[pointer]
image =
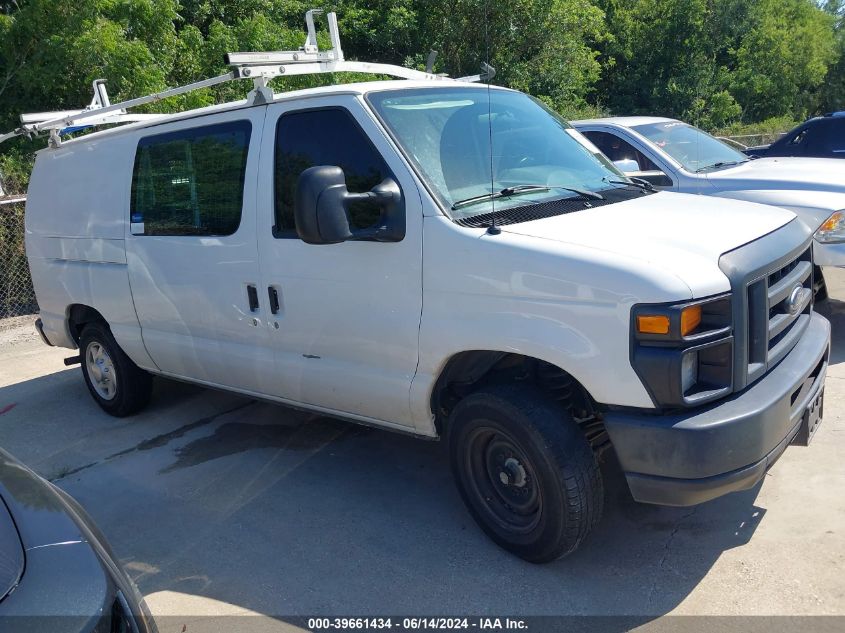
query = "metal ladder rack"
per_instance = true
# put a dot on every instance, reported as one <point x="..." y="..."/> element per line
<point x="259" y="67"/>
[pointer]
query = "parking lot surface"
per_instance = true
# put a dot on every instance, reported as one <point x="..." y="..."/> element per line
<point x="221" y="505"/>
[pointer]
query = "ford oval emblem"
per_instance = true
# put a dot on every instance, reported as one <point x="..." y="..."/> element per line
<point x="797" y="299"/>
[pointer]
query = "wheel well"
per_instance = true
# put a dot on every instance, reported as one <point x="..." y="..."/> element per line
<point x="78" y="316"/>
<point x="467" y="371"/>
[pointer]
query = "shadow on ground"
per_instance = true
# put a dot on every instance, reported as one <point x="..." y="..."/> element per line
<point x="287" y="513"/>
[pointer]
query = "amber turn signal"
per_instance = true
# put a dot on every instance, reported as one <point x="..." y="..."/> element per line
<point x="690" y="319"/>
<point x="657" y="324"/>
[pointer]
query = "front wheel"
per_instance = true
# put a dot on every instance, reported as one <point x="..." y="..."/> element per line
<point x="118" y="385"/>
<point x="525" y="471"/>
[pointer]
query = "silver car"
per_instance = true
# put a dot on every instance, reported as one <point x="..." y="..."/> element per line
<point x="675" y="156"/>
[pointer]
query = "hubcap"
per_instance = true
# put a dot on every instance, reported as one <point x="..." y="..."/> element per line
<point x="100" y="370"/>
<point x="503" y="479"/>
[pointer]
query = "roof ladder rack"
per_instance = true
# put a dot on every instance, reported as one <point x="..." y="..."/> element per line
<point x="259" y="67"/>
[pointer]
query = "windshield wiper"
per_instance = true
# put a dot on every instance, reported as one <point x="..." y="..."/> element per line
<point x="727" y="163"/>
<point x="634" y="182"/>
<point x="508" y="192"/>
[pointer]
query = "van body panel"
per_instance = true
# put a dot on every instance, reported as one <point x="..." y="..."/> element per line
<point x="86" y="176"/>
<point x="75" y="240"/>
<point x="346" y="335"/>
<point x="565" y="304"/>
<point x="79" y="249"/>
<point x="190" y="291"/>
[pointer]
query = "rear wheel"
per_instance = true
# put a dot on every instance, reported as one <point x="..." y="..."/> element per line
<point x="525" y="471"/>
<point x="118" y="385"/>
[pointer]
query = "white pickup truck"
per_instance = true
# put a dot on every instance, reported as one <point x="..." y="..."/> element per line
<point x="675" y="156"/>
<point x="365" y="251"/>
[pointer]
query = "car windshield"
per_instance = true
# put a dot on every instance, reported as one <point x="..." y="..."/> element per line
<point x="448" y="134"/>
<point x="696" y="150"/>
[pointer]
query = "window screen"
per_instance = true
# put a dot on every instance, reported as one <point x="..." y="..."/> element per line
<point x="325" y="137"/>
<point x="191" y="182"/>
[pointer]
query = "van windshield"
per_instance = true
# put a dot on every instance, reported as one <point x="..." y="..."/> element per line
<point x="448" y="133"/>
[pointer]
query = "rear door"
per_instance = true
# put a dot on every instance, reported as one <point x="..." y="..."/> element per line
<point x="192" y="255"/>
<point x="827" y="139"/>
<point x="346" y="328"/>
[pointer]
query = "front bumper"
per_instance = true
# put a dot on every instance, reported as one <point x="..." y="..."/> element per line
<point x="829" y="254"/>
<point x="694" y="456"/>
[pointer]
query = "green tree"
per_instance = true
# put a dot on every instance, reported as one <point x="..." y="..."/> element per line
<point x="783" y="59"/>
<point x="673" y="57"/>
<point x="832" y="96"/>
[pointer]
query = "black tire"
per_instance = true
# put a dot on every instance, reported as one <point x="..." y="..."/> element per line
<point x="819" y="285"/>
<point x="525" y="471"/>
<point x="130" y="385"/>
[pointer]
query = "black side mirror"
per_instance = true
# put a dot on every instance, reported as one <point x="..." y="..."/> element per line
<point x="321" y="208"/>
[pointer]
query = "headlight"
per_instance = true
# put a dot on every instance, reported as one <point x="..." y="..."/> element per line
<point x="683" y="353"/>
<point x="833" y="229"/>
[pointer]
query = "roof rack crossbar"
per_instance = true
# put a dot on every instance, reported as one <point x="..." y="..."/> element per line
<point x="259" y="67"/>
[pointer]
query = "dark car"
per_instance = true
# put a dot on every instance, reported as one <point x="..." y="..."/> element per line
<point x="820" y="137"/>
<point x="57" y="572"/>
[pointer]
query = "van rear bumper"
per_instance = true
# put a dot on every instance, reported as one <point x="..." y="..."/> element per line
<point x="694" y="456"/>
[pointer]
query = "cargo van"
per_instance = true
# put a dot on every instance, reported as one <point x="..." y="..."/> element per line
<point x="446" y="259"/>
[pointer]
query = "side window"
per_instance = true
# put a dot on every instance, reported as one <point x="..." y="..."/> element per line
<point x="191" y="182"/>
<point x="799" y="138"/>
<point x="328" y="136"/>
<point x="616" y="148"/>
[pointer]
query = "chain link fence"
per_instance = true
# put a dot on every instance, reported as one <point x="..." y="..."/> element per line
<point x="744" y="141"/>
<point x="17" y="298"/>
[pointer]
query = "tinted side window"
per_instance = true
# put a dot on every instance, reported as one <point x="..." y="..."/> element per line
<point x="617" y="149"/>
<point x="324" y="137"/>
<point x="799" y="138"/>
<point x="191" y="182"/>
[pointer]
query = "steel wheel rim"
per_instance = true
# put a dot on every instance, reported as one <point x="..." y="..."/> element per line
<point x="503" y="480"/>
<point x="100" y="369"/>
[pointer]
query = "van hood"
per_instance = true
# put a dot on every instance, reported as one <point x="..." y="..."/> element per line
<point x="684" y="234"/>
<point x="817" y="174"/>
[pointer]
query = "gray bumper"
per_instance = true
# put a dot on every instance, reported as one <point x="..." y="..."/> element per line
<point x="697" y="455"/>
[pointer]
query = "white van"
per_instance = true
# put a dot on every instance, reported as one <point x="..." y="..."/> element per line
<point x="339" y="249"/>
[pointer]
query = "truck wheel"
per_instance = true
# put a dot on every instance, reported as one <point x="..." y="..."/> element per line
<point x="118" y="385"/>
<point x="819" y="285"/>
<point x="525" y="471"/>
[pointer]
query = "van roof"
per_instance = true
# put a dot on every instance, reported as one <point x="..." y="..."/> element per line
<point x="358" y="89"/>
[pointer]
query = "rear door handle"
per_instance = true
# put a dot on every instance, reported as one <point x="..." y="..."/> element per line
<point x="252" y="295"/>
<point x="273" y="294"/>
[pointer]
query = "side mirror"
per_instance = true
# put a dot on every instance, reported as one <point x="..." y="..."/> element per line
<point x="321" y="208"/>
<point x="627" y="165"/>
